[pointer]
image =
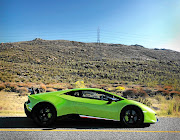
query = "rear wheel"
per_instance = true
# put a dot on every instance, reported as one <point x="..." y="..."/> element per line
<point x="132" y="116"/>
<point x="44" y="114"/>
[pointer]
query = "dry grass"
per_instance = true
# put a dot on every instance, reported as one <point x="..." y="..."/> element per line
<point x="2" y="86"/>
<point x="58" y="85"/>
<point x="43" y="86"/>
<point x="11" y="104"/>
<point x="166" y="107"/>
<point x="50" y="89"/>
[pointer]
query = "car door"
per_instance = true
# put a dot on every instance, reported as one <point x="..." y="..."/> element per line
<point x="96" y="104"/>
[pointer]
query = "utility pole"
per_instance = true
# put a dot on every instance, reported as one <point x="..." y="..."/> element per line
<point x="98" y="36"/>
<point x="98" y="45"/>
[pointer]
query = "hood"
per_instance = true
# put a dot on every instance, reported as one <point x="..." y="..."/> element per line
<point x="142" y="106"/>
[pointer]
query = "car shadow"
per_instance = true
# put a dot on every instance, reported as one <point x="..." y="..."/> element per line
<point x="24" y="122"/>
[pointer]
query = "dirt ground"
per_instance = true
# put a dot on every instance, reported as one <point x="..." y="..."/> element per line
<point x="11" y="104"/>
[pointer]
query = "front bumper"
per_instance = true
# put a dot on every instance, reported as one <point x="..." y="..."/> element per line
<point x="27" y="112"/>
<point x="150" y="117"/>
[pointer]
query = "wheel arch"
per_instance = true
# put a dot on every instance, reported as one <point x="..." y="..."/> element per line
<point x="41" y="103"/>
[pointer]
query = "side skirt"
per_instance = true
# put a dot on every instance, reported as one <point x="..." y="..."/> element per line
<point x="91" y="117"/>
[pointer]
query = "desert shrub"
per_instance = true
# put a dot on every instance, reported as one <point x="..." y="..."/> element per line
<point x="23" y="94"/>
<point x="50" y="90"/>
<point x="111" y="89"/>
<point x="144" y="95"/>
<point x="93" y="86"/>
<point x="144" y="101"/>
<point x="10" y="87"/>
<point x="130" y="93"/>
<point x="120" y="88"/>
<point x="169" y="88"/>
<point x="173" y="106"/>
<point x="174" y="93"/>
<point x="23" y="84"/>
<point x="22" y="90"/>
<point x="141" y="93"/>
<point x="162" y="92"/>
<point x="43" y="87"/>
<point x="160" y="98"/>
<point x="168" y="107"/>
<point x="70" y="87"/>
<point x="79" y="84"/>
<point x="49" y="86"/>
<point x="2" y="86"/>
<point x="58" y="86"/>
<point x="100" y="86"/>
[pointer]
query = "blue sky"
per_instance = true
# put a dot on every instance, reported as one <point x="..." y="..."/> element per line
<point x="151" y="23"/>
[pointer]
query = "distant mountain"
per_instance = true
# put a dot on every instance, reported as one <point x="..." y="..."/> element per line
<point x="66" y="61"/>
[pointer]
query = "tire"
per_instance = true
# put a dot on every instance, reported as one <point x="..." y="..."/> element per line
<point x="44" y="114"/>
<point x="132" y="116"/>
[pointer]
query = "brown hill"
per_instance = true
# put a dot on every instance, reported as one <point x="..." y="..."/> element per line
<point x="66" y="61"/>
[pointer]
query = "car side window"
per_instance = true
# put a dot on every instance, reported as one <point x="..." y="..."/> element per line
<point x="97" y="95"/>
<point x="74" y="93"/>
<point x="90" y="94"/>
<point x="105" y="97"/>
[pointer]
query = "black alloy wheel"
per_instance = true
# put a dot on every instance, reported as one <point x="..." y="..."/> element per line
<point x="132" y="117"/>
<point x="44" y="115"/>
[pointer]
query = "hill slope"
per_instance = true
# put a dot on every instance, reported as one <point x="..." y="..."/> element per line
<point x="67" y="61"/>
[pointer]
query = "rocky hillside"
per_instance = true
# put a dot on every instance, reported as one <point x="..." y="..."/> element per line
<point x="67" y="61"/>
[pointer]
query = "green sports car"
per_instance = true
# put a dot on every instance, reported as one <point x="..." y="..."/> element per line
<point x="94" y="103"/>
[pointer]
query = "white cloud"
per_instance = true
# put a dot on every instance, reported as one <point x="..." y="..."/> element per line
<point x="173" y="44"/>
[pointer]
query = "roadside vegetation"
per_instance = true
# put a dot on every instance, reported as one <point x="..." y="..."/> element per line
<point x="163" y="100"/>
<point x="146" y="75"/>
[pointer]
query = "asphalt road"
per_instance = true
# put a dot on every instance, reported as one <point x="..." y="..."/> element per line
<point x="86" y="129"/>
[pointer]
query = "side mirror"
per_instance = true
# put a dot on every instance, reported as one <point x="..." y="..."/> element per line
<point x="109" y="101"/>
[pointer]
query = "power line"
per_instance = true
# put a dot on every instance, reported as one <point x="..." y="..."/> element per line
<point x="90" y="36"/>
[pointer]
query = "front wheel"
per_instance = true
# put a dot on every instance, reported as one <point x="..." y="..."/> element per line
<point x="44" y="114"/>
<point x="132" y="116"/>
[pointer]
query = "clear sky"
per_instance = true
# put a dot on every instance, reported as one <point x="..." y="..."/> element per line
<point x="151" y="23"/>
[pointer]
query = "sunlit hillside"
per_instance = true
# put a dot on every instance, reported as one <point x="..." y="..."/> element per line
<point x="55" y="61"/>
